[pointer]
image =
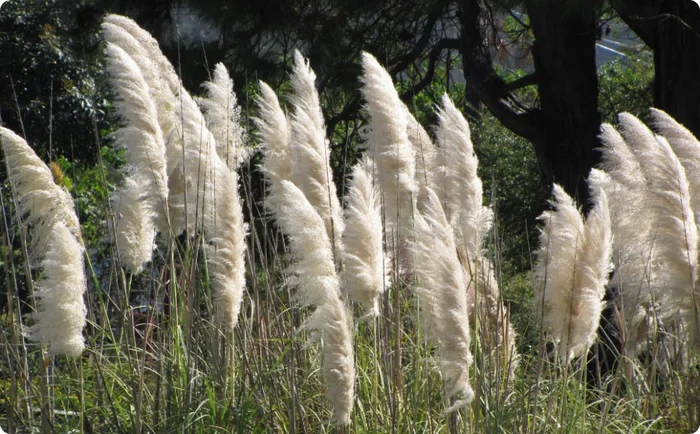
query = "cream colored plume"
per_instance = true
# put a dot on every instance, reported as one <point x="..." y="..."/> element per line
<point x="55" y="242"/>
<point x="574" y="261"/>
<point x="212" y="204"/>
<point x="134" y="233"/>
<point x="61" y="317"/>
<point x="146" y="163"/>
<point x="674" y="234"/>
<point x="157" y="71"/>
<point x="366" y="270"/>
<point x="275" y="135"/>
<point x="225" y="247"/>
<point x="463" y="190"/>
<point x="223" y="116"/>
<point x="685" y="146"/>
<point x="391" y="150"/>
<point x="311" y="151"/>
<point x="441" y="289"/>
<point x="318" y="286"/>
<point x="152" y="49"/>
<point x="203" y="191"/>
<point x="40" y="202"/>
<point x="426" y="156"/>
<point x="632" y="224"/>
<point x="593" y="270"/>
<point x="561" y="246"/>
<point x="189" y="143"/>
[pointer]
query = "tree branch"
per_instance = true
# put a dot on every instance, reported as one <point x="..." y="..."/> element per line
<point x="481" y="78"/>
<point x="527" y="80"/>
<point x="433" y="59"/>
<point x="401" y="62"/>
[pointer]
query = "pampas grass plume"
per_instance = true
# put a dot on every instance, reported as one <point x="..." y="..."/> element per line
<point x="275" y="135"/>
<point x="55" y="242"/>
<point x="441" y="289"/>
<point x="147" y="186"/>
<point x="365" y="274"/>
<point x="426" y="155"/>
<point x="390" y="148"/>
<point x="685" y="146"/>
<point x="223" y="116"/>
<point x="561" y="246"/>
<point x="318" y="285"/>
<point x="463" y="189"/>
<point x="314" y="175"/>
<point x="39" y="200"/>
<point x="226" y="247"/>
<point x="574" y="260"/>
<point x="61" y="317"/>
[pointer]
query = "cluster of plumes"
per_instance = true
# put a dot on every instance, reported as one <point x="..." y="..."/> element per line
<point x="573" y="263"/>
<point x="181" y="165"/>
<point x="55" y="243"/>
<point x="654" y="189"/>
<point x="433" y="193"/>
<point x="302" y="198"/>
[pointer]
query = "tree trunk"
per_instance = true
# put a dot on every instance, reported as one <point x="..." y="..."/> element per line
<point x="567" y="80"/>
<point x="671" y="28"/>
<point x="564" y="126"/>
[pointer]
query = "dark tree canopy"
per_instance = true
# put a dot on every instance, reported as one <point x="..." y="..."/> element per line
<point x="555" y="106"/>
<point x="48" y="56"/>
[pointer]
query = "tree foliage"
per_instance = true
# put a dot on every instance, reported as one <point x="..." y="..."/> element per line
<point x="47" y="65"/>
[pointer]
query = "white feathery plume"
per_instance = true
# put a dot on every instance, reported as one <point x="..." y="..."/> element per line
<point x="426" y="155"/>
<point x="441" y="289"/>
<point x="635" y="264"/>
<point x="561" y="246"/>
<point x="365" y="274"/>
<point x="275" y="135"/>
<point x="188" y="141"/>
<point x="145" y="154"/>
<point x="334" y="323"/>
<point x="463" y="199"/>
<point x="592" y="272"/>
<point x="123" y="32"/>
<point x="61" y="316"/>
<point x="198" y="148"/>
<point x="687" y="149"/>
<point x="390" y="149"/>
<point x="318" y="285"/>
<point x="314" y="174"/>
<point x="39" y="200"/>
<point x="639" y="138"/>
<point x="225" y="247"/>
<point x="135" y="233"/>
<point x="149" y="43"/>
<point x="675" y="234"/>
<point x="55" y="241"/>
<point x="618" y="160"/>
<point x="212" y="204"/>
<point x="223" y="116"/>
